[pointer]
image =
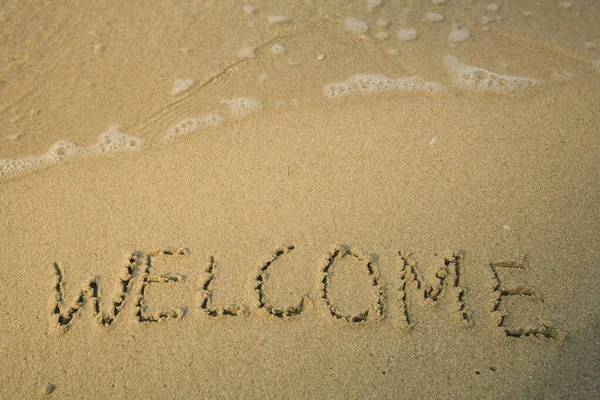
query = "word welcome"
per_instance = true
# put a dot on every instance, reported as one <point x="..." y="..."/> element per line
<point x="447" y="283"/>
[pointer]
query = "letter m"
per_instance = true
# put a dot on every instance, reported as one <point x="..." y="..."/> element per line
<point x="446" y="283"/>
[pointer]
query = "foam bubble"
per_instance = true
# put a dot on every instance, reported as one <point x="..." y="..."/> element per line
<point x="181" y="85"/>
<point x="590" y="45"/>
<point x="15" y="136"/>
<point x="246" y="52"/>
<point x="381" y="35"/>
<point x="382" y="22"/>
<point x="493" y="7"/>
<point x="111" y="141"/>
<point x="371" y="83"/>
<point x="373" y="4"/>
<point x="115" y="141"/>
<point x="190" y="125"/>
<point x="243" y="106"/>
<point x="478" y="79"/>
<point x="562" y="76"/>
<point x="277" y="49"/>
<point x="434" y="17"/>
<point x="355" y="25"/>
<point x="407" y="34"/>
<point x="459" y="35"/>
<point x="277" y="19"/>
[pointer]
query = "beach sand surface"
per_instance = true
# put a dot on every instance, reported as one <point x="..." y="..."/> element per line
<point x="327" y="232"/>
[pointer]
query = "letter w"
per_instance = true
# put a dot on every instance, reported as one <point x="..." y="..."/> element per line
<point x="62" y="314"/>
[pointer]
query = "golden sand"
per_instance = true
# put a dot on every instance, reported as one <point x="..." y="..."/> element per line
<point x="337" y="213"/>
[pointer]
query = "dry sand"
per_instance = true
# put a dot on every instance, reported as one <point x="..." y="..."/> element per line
<point x="437" y="243"/>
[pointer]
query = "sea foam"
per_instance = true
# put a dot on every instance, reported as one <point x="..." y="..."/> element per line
<point x="181" y="85"/>
<point x="459" y="35"/>
<point x="355" y="25"/>
<point x="277" y="49"/>
<point x="481" y="80"/>
<point x="407" y="34"/>
<point x="371" y="83"/>
<point x="434" y="17"/>
<point x="111" y="141"/>
<point x="373" y="4"/>
<point x="241" y="107"/>
<point x="277" y="19"/>
<point x="190" y="125"/>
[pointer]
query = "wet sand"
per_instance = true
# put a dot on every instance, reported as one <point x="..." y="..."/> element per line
<point x="416" y="229"/>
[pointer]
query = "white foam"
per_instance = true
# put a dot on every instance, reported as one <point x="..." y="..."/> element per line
<point x="246" y="52"/>
<point x="481" y="80"/>
<point x="459" y="35"/>
<point x="181" y="85"/>
<point x="15" y="136"/>
<point x="434" y="17"/>
<point x="393" y="52"/>
<point x="277" y="49"/>
<point x="438" y="1"/>
<point x="590" y="45"/>
<point x="371" y="83"/>
<point x="189" y="125"/>
<point x="373" y="4"/>
<point x="249" y="9"/>
<point x="111" y="141"/>
<point x="382" y="22"/>
<point x="115" y="141"/>
<point x="562" y="76"/>
<point x="493" y="7"/>
<point x="277" y="19"/>
<point x="382" y="35"/>
<point x="407" y="34"/>
<point x="567" y="4"/>
<point x="241" y="107"/>
<point x="355" y="25"/>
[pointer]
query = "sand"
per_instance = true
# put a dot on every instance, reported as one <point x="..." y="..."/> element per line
<point x="396" y="239"/>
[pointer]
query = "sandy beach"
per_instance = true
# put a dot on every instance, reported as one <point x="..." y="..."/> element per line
<point x="344" y="199"/>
